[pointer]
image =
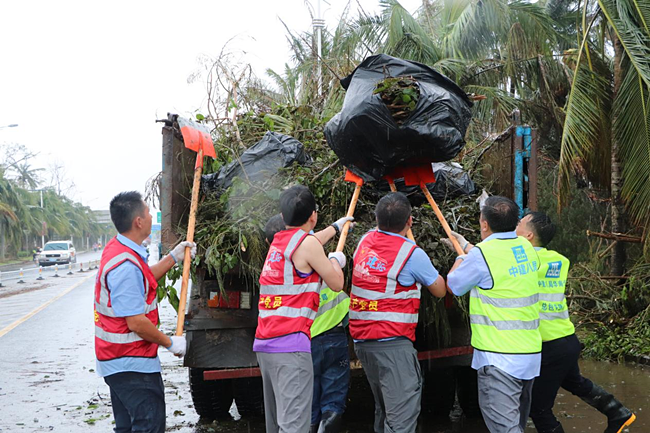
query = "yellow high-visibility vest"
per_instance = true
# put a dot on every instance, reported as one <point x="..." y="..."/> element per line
<point x="554" y="314"/>
<point x="332" y="309"/>
<point x="505" y="318"/>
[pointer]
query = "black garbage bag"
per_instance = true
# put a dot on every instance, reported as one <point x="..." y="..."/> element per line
<point x="451" y="182"/>
<point x="366" y="137"/>
<point x="259" y="162"/>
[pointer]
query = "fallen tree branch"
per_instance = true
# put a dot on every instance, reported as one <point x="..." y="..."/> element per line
<point x="615" y="237"/>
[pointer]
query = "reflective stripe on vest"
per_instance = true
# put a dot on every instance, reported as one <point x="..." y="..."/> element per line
<point x="379" y="306"/>
<point x="279" y="289"/>
<point x="288" y="301"/>
<point x="505" y="318"/>
<point x="554" y="313"/>
<point x="333" y="308"/>
<point x="115" y="338"/>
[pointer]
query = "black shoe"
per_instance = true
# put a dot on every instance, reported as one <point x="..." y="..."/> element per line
<point x="330" y="422"/>
<point x="618" y="416"/>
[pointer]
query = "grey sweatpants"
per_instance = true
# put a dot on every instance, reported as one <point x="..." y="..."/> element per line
<point x="393" y="371"/>
<point x="288" y="380"/>
<point x="504" y="400"/>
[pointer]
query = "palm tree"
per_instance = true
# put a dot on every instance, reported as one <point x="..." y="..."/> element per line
<point x="26" y="176"/>
<point x="608" y="112"/>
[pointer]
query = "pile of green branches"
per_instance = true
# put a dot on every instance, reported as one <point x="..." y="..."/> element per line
<point x="400" y="94"/>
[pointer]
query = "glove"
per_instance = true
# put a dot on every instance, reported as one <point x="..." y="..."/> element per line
<point x="339" y="256"/>
<point x="461" y="240"/>
<point x="339" y="223"/>
<point x="178" y="346"/>
<point x="178" y="253"/>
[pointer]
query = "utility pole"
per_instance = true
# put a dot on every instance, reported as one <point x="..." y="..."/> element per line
<point x="42" y="226"/>
<point x="319" y="23"/>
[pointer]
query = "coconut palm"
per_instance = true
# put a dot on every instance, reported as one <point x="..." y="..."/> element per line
<point x="607" y="126"/>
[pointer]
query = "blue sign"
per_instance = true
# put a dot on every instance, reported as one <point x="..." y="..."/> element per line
<point x="520" y="254"/>
<point x="554" y="270"/>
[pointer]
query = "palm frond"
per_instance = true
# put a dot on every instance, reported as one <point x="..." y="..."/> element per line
<point x="632" y="130"/>
<point x="623" y="17"/>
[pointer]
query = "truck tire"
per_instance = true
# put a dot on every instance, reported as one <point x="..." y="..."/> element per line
<point x="249" y="397"/>
<point x="212" y="398"/>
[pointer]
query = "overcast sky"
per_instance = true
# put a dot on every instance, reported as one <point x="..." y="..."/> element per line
<point x="85" y="80"/>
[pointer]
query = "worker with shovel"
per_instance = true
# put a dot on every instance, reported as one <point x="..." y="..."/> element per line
<point x="389" y="270"/>
<point x="294" y="270"/>
<point x="126" y="319"/>
<point x="501" y="275"/>
<point x="329" y="342"/>
<point x="560" y="346"/>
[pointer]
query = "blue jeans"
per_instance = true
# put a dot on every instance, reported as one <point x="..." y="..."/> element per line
<point x="329" y="353"/>
<point x="138" y="401"/>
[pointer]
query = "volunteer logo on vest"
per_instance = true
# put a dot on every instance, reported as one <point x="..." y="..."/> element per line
<point x="274" y="256"/>
<point x="369" y="261"/>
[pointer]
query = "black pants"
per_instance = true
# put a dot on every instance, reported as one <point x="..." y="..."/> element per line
<point x="559" y="369"/>
<point x="138" y="402"/>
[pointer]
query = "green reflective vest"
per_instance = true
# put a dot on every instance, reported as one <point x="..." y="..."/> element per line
<point x="554" y="314"/>
<point x="332" y="309"/>
<point x="505" y="318"/>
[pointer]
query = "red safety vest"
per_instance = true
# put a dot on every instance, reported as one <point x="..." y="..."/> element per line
<point x="113" y="339"/>
<point x="288" y="302"/>
<point x="380" y="307"/>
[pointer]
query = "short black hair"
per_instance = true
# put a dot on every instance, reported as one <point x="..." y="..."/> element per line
<point x="273" y="225"/>
<point x="542" y="226"/>
<point x="392" y="212"/>
<point x="501" y="214"/>
<point x="124" y="208"/>
<point x="297" y="204"/>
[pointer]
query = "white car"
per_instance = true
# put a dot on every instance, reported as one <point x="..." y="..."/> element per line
<point x="57" y="252"/>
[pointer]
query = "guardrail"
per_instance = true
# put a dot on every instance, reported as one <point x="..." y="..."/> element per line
<point x="36" y="273"/>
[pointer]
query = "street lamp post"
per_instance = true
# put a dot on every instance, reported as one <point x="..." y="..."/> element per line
<point x="42" y="227"/>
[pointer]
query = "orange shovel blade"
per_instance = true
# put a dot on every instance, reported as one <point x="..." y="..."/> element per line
<point x="196" y="136"/>
<point x="351" y="177"/>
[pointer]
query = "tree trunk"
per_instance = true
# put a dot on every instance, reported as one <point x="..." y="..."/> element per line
<point x="618" y="208"/>
<point x="2" y="240"/>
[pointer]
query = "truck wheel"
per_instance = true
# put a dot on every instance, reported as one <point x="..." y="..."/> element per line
<point x="439" y="392"/>
<point x="249" y="397"/>
<point x="212" y="398"/>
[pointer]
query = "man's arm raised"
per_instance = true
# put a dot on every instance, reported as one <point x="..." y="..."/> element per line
<point x="311" y="253"/>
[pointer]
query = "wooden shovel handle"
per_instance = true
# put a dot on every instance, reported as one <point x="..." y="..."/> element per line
<point x="442" y="219"/>
<point x="187" y="261"/>
<point x="409" y="234"/>
<point x="346" y="226"/>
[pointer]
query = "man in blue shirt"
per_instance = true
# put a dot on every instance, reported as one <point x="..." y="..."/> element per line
<point x="389" y="270"/>
<point x="501" y="273"/>
<point x="126" y="319"/>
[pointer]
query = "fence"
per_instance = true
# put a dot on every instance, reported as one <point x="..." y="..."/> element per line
<point x="38" y="273"/>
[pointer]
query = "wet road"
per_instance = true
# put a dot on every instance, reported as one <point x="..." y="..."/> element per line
<point x="48" y="382"/>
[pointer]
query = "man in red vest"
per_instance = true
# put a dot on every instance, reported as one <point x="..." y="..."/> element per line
<point x="126" y="319"/>
<point x="389" y="270"/>
<point x="295" y="267"/>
